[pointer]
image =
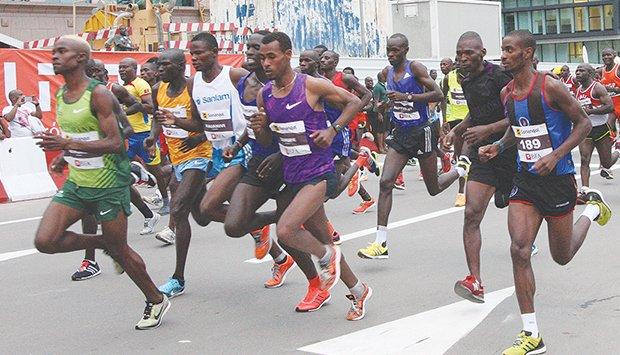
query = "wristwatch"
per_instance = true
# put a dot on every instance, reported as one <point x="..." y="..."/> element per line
<point x="409" y="97"/>
<point x="337" y="128"/>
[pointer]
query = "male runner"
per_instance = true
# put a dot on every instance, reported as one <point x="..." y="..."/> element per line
<point x="597" y="104"/>
<point x="99" y="175"/>
<point x="172" y="102"/>
<point x="379" y="93"/>
<point x="141" y="124"/>
<point x="568" y="80"/>
<point x="485" y="124"/>
<point x="455" y="110"/>
<point x="150" y="73"/>
<point x="540" y="111"/>
<point x="292" y="105"/>
<point x="610" y="77"/>
<point x="413" y="136"/>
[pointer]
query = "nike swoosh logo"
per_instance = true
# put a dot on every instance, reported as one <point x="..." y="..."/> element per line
<point x="105" y="212"/>
<point x="78" y="111"/>
<point x="288" y="107"/>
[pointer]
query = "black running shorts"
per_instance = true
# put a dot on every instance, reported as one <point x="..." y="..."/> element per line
<point x="599" y="132"/>
<point x="498" y="172"/>
<point x="553" y="196"/>
<point x="273" y="184"/>
<point x="414" y="142"/>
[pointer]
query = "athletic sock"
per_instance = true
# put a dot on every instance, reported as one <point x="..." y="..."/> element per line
<point x="364" y="194"/>
<point x="529" y="324"/>
<point x="328" y="254"/>
<point x="280" y="259"/>
<point x="591" y="212"/>
<point x="145" y="210"/>
<point x="381" y="235"/>
<point x="460" y="171"/>
<point x="358" y="289"/>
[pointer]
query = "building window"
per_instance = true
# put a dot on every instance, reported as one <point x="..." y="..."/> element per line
<point x="616" y="44"/>
<point x="551" y="2"/>
<point x="509" y="22"/>
<point x="538" y="2"/>
<point x="524" y="20"/>
<point x="566" y="20"/>
<point x="581" y="19"/>
<point x="538" y="22"/>
<point x="578" y="1"/>
<point x="552" y="21"/>
<point x="547" y="54"/>
<point x="561" y="52"/>
<point x="596" y="18"/>
<point x="575" y="52"/>
<point x="524" y="3"/>
<point x="510" y="4"/>
<point x="567" y="1"/>
<point x="592" y="48"/>
<point x="608" y="11"/>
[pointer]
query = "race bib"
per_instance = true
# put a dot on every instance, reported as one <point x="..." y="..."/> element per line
<point x="292" y="138"/>
<point x="83" y="160"/>
<point x="533" y="142"/>
<point x="217" y="125"/>
<point x="458" y="98"/>
<point x="405" y="111"/>
<point x="249" y="111"/>
<point x="585" y="102"/>
<point x="173" y="131"/>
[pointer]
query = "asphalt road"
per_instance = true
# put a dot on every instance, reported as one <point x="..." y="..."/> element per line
<point x="226" y="309"/>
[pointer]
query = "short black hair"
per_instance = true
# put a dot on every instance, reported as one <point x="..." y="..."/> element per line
<point x="152" y="60"/>
<point x="471" y="35"/>
<point x="321" y="46"/>
<point x="176" y="55"/>
<point x="262" y="32"/>
<point x="401" y="37"/>
<point x="282" y="38"/>
<point x="525" y="37"/>
<point x="349" y="68"/>
<point x="207" y="38"/>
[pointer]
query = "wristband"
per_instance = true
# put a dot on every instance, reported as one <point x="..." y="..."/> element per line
<point x="501" y="145"/>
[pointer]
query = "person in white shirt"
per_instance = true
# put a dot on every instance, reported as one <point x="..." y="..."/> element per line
<point x="23" y="115"/>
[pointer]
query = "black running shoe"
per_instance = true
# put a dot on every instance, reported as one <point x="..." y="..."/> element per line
<point x="87" y="270"/>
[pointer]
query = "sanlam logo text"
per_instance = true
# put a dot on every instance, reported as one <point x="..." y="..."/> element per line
<point x="208" y="99"/>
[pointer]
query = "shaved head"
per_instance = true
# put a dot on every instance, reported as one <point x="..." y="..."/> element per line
<point x="129" y="62"/>
<point x="311" y="54"/>
<point x="174" y="55"/>
<point x="608" y="50"/>
<point x="77" y="44"/>
<point x="332" y="54"/>
<point x="472" y="37"/>
<point x="401" y="38"/>
<point x="524" y="38"/>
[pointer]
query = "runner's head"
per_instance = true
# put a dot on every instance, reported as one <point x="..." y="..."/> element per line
<point x="275" y="54"/>
<point x="320" y="49"/>
<point x="70" y="53"/>
<point x="329" y="60"/>
<point x="433" y="74"/>
<point x="96" y="69"/>
<point x="397" y="48"/>
<point x="204" y="49"/>
<point x="369" y="83"/>
<point x="535" y="62"/>
<point x="14" y="95"/>
<point x="518" y="48"/>
<point x="309" y="62"/>
<point x="252" y="50"/>
<point x="446" y="66"/>
<point x="584" y="73"/>
<point x="348" y="70"/>
<point x="470" y="51"/>
<point x="608" y="55"/>
<point x="171" y="64"/>
<point x="565" y="72"/>
<point x="128" y="70"/>
<point x="149" y="72"/>
<point x="381" y="77"/>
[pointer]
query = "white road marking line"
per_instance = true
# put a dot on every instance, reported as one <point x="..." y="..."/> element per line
<point x="21" y="220"/>
<point x="431" y="332"/>
<point x="17" y="254"/>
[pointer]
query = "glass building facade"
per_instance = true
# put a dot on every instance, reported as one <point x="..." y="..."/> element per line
<point x="563" y="27"/>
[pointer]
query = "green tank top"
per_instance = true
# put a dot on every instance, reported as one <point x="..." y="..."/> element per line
<point x="456" y="104"/>
<point x="76" y="120"/>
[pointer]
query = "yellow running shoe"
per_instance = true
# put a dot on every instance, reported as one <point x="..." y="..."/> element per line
<point x="525" y="344"/>
<point x="464" y="163"/>
<point x="374" y="251"/>
<point x="595" y="197"/>
<point x="460" y="200"/>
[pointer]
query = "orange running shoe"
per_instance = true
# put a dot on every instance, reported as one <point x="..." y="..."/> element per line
<point x="399" y="184"/>
<point x="354" y="184"/>
<point x="358" y="306"/>
<point x="262" y="242"/>
<point x="364" y="206"/>
<point x="330" y="269"/>
<point x="279" y="272"/>
<point x="334" y="233"/>
<point x="314" y="300"/>
<point x="445" y="163"/>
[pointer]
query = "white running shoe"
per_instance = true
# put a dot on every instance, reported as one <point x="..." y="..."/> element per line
<point x="166" y="236"/>
<point x="150" y="223"/>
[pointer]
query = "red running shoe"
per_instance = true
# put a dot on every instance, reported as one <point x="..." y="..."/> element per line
<point x="446" y="165"/>
<point x="470" y="289"/>
<point x="399" y="184"/>
<point x="314" y="299"/>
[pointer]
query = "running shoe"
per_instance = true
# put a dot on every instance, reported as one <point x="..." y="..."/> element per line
<point x="370" y="162"/>
<point x="460" y="200"/>
<point x="262" y="242"/>
<point x="358" y="305"/>
<point x="399" y="184"/>
<point x="87" y="270"/>
<point x="154" y="200"/>
<point x="279" y="272"/>
<point x="581" y="196"/>
<point x="470" y="289"/>
<point x="374" y="251"/>
<point x="117" y="267"/>
<point x="464" y="163"/>
<point x="420" y="177"/>
<point x="526" y="344"/>
<point x="141" y="176"/>
<point x="330" y="269"/>
<point x="412" y="162"/>
<point x="354" y="184"/>
<point x="607" y="174"/>
<point x="534" y="249"/>
<point x="446" y="165"/>
<point x="315" y="299"/>
<point x="150" y="223"/>
<point x="153" y="314"/>
<point x="165" y="209"/>
<point x="595" y="197"/>
<point x="335" y="235"/>
<point x="363" y="175"/>
<point x="166" y="235"/>
<point x="172" y="288"/>
<point x="364" y="206"/>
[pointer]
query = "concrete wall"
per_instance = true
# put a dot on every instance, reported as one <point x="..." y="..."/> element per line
<point x="338" y="24"/>
<point x="413" y="19"/>
<point x="52" y="20"/>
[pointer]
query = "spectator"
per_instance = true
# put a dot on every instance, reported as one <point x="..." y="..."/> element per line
<point x="4" y="129"/>
<point x="379" y="94"/>
<point x="23" y="115"/>
<point x="121" y="41"/>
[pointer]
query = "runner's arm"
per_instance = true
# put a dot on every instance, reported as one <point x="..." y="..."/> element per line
<point x="444" y="102"/>
<point x="260" y="123"/>
<point x="155" y="126"/>
<point x="432" y="91"/>
<point x="607" y="105"/>
<point x="362" y="92"/>
<point x="131" y="104"/>
<point x="194" y="124"/>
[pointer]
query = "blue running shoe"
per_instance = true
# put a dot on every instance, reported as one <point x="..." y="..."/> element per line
<point x="172" y="288"/>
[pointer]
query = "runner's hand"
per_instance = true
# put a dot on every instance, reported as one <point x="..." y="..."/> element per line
<point x="192" y="142"/>
<point x="476" y="134"/>
<point x="164" y="117"/>
<point x="258" y="121"/>
<point x="50" y="142"/>
<point x="230" y="152"/>
<point x="488" y="152"/>
<point x="324" y="137"/>
<point x="546" y="164"/>
<point x="448" y="140"/>
<point x="269" y="165"/>
<point x="396" y="96"/>
<point x="58" y="164"/>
